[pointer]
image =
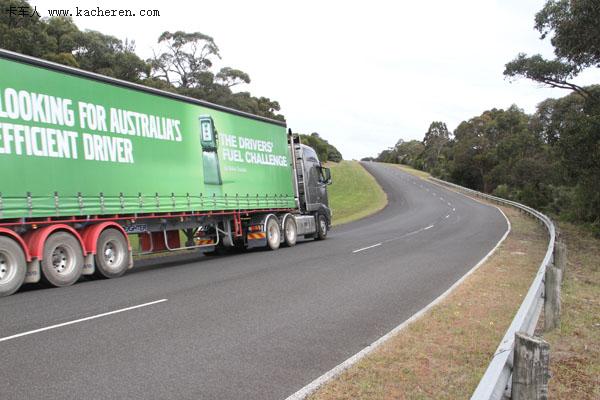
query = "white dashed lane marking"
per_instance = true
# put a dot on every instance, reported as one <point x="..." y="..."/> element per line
<point x="367" y="248"/>
<point x="47" y="328"/>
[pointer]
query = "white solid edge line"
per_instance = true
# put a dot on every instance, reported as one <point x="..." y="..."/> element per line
<point x="366" y="248"/>
<point x="80" y="320"/>
<point x="314" y="385"/>
<point x="429" y="227"/>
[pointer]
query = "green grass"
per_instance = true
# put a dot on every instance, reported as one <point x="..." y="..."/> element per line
<point x="354" y="193"/>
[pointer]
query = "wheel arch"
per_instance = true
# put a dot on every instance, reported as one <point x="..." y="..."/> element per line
<point x="326" y="211"/>
<point x="265" y="218"/>
<point x="14" y="235"/>
<point x="37" y="238"/>
<point x="91" y="234"/>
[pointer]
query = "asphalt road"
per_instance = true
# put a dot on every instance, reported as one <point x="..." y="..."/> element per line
<point x="252" y="326"/>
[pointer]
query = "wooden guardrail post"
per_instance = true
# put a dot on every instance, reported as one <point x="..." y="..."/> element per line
<point x="530" y="368"/>
<point x="560" y="256"/>
<point x="552" y="297"/>
<point x="553" y="280"/>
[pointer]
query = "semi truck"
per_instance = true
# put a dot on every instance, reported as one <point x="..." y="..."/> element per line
<point x="90" y="165"/>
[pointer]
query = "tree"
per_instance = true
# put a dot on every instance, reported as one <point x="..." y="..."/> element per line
<point x="388" y="156"/>
<point x="409" y="153"/>
<point x="58" y="39"/>
<point x="109" y="56"/>
<point x="324" y="149"/>
<point x="570" y="125"/>
<point x="230" y="77"/>
<point x="186" y="59"/>
<point x="436" y="137"/>
<point x="183" y="65"/>
<point x="496" y="148"/>
<point x="573" y="125"/>
<point x="64" y="33"/>
<point x="574" y="32"/>
<point x="26" y="35"/>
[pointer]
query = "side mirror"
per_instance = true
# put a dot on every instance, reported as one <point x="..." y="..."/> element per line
<point x="325" y="175"/>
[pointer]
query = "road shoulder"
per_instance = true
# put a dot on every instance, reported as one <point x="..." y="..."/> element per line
<point x="444" y="353"/>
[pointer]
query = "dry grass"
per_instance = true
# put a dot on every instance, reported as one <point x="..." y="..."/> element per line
<point x="575" y="347"/>
<point x="444" y="354"/>
<point x="410" y="170"/>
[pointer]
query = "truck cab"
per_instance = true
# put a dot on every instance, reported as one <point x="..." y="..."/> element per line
<point x="311" y="179"/>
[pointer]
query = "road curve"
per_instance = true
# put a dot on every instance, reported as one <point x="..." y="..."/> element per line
<point x="252" y="326"/>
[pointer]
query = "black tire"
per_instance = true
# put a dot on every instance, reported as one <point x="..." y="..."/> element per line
<point x="290" y="231"/>
<point x="322" y="228"/>
<point x="273" y="233"/>
<point x="62" y="262"/>
<point x="112" y="254"/>
<point x="13" y="266"/>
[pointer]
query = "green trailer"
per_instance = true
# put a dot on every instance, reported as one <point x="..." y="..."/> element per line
<point x="87" y="160"/>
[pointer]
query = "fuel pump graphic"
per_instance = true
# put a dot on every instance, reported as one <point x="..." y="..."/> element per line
<point x="210" y="156"/>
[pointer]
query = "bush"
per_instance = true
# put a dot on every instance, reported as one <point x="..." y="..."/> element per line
<point x="502" y="191"/>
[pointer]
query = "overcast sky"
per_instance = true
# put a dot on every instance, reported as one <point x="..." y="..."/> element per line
<point x="362" y="74"/>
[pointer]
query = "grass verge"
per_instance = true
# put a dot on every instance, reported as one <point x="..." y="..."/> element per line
<point x="575" y="347"/>
<point x="410" y="170"/>
<point x="444" y="354"/>
<point x="354" y="193"/>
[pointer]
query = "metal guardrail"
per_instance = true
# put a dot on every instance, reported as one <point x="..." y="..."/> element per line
<point x="495" y="383"/>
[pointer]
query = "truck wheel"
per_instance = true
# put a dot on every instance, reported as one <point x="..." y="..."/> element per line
<point x="273" y="233"/>
<point x="13" y="266"/>
<point x="290" y="231"/>
<point x="112" y="254"/>
<point x="321" y="227"/>
<point x="62" y="263"/>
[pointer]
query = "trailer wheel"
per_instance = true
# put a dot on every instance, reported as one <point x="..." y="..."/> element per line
<point x="62" y="263"/>
<point x="273" y="233"/>
<point x="112" y="254"/>
<point x="13" y="266"/>
<point x="290" y="231"/>
<point x="321" y="227"/>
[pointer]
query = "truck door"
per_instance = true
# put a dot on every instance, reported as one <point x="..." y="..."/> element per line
<point x="324" y="180"/>
<point x="210" y="156"/>
<point x="316" y="184"/>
